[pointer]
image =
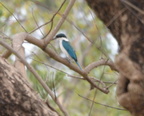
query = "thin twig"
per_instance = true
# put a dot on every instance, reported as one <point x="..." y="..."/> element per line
<point x="109" y="82"/>
<point x="42" y="25"/>
<point x="101" y="103"/>
<point x="36" y="22"/>
<point x="72" y="76"/>
<point x="59" y="24"/>
<point x="94" y="43"/>
<point x="99" y="33"/>
<point x="135" y="14"/>
<point x="116" y="16"/>
<point x="13" y="16"/>
<point x="53" y="109"/>
<point x="112" y="84"/>
<point x="47" y="75"/>
<point x="69" y="21"/>
<point x="96" y="91"/>
<point x="50" y="20"/>
<point x="72" y="23"/>
<point x="37" y="76"/>
<point x="133" y="6"/>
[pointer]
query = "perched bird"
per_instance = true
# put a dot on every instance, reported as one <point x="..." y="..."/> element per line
<point x="67" y="48"/>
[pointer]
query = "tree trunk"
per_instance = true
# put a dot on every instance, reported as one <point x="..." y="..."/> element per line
<point x="125" y="20"/>
<point x="16" y="96"/>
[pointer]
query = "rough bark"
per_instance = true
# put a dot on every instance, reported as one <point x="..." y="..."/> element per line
<point x="17" y="97"/>
<point x="126" y="25"/>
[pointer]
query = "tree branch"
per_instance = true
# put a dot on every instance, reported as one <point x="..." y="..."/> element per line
<point x="133" y="6"/>
<point x="50" y="20"/>
<point x="37" y="76"/>
<point x="74" y="76"/>
<point x="99" y="63"/>
<point x="59" y="24"/>
<point x="40" y="44"/>
<point x="63" y="61"/>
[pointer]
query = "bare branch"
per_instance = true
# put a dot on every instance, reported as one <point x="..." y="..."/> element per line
<point x="101" y="103"/>
<point x="50" y="20"/>
<point x="95" y="93"/>
<point x="116" y="16"/>
<point x="37" y="76"/>
<point x="73" y="24"/>
<point x="128" y="5"/>
<point x="51" y="53"/>
<point x="112" y="84"/>
<point x="65" y="62"/>
<point x="13" y="16"/>
<point x="99" y="63"/>
<point x="76" y="69"/>
<point x="133" y="6"/>
<point x="74" y="76"/>
<point x="36" y="22"/>
<point x="59" y="24"/>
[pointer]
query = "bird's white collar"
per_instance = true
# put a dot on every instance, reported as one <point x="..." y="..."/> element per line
<point x="63" y="38"/>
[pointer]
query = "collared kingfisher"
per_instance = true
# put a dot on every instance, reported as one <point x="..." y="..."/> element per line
<point x="66" y="48"/>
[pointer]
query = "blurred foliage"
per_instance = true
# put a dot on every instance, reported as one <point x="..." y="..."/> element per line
<point x="80" y="26"/>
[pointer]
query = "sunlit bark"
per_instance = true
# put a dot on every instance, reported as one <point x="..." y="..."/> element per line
<point x="17" y="97"/>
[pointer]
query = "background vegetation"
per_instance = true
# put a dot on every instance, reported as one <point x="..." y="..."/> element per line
<point x="91" y="40"/>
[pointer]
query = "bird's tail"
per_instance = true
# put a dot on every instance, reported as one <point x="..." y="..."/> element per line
<point x="79" y="65"/>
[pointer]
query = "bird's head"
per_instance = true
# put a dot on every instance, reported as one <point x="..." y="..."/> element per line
<point x="60" y="35"/>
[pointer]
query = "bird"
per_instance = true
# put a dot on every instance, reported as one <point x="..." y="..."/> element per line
<point x="66" y="48"/>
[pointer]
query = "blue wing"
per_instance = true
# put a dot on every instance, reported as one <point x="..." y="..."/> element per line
<point x="69" y="49"/>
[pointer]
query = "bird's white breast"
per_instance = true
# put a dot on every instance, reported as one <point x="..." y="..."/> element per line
<point x="62" y="48"/>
